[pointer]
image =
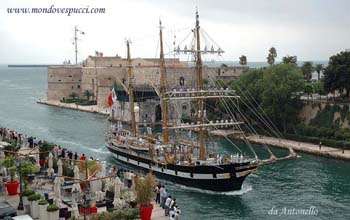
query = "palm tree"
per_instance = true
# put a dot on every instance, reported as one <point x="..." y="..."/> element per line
<point x="271" y="56"/>
<point x="290" y="60"/>
<point x="88" y="94"/>
<point x="307" y="70"/>
<point x="73" y="95"/>
<point x="319" y="69"/>
<point x="243" y="60"/>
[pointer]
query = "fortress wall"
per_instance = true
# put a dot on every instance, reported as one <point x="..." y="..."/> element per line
<point x="63" y="81"/>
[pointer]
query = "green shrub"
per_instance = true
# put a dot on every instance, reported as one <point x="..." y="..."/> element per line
<point x="124" y="214"/>
<point x="52" y="208"/>
<point x="43" y="202"/>
<point x="27" y="192"/>
<point x="34" y="197"/>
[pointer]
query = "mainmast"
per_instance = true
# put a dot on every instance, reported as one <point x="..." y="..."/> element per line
<point x="200" y="113"/>
<point x="163" y="89"/>
<point x="131" y="92"/>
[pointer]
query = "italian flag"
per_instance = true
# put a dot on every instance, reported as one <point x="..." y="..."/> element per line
<point x="112" y="98"/>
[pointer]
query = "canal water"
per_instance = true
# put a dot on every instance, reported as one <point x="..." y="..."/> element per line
<point x="315" y="187"/>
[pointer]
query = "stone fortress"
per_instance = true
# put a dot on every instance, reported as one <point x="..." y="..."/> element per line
<point x="98" y="74"/>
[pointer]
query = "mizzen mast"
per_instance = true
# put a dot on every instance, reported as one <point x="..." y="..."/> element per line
<point x="131" y="92"/>
<point x="165" y="129"/>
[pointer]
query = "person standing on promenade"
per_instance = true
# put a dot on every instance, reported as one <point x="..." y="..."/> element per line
<point x="167" y="205"/>
<point x="157" y="192"/>
<point x="83" y="157"/>
<point x="162" y="192"/>
<point x="75" y="156"/>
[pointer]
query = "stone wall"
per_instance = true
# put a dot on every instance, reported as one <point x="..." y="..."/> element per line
<point x="99" y="74"/>
<point x="327" y="114"/>
<point x="63" y="81"/>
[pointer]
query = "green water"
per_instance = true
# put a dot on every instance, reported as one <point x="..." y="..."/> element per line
<point x="302" y="183"/>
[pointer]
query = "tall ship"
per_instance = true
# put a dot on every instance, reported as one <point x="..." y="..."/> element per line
<point x="172" y="156"/>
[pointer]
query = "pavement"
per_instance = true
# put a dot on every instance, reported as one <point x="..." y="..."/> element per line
<point x="303" y="147"/>
<point x="89" y="108"/>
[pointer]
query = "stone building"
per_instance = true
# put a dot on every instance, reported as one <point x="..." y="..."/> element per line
<point x="98" y="74"/>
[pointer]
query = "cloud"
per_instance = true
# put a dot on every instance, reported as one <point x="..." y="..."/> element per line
<point x="310" y="29"/>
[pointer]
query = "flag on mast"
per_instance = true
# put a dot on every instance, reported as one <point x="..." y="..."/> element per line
<point x="112" y="98"/>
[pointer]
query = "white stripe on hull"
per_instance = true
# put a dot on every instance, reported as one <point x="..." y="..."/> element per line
<point x="172" y="172"/>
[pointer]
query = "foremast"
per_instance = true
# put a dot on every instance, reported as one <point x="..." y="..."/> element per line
<point x="200" y="113"/>
<point x="165" y="130"/>
<point x="131" y="92"/>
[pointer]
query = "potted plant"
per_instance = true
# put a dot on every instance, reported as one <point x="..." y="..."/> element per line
<point x="25" y="194"/>
<point x="43" y="204"/>
<point x="33" y="203"/>
<point x="44" y="150"/>
<point x="144" y="193"/>
<point x="52" y="212"/>
<point x="27" y="168"/>
<point x="12" y="185"/>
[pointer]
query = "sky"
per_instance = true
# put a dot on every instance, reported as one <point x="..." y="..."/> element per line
<point x="310" y="29"/>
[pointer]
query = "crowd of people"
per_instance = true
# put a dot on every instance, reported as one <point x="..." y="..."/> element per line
<point x="162" y="196"/>
<point x="164" y="199"/>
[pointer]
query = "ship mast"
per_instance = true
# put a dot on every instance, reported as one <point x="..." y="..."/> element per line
<point x="165" y="129"/>
<point x="200" y="113"/>
<point x="131" y="92"/>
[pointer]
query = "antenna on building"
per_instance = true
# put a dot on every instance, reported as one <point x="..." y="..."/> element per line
<point x="76" y="31"/>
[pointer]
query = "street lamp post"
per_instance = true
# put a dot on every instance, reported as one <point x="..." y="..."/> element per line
<point x="86" y="201"/>
<point x="20" y="205"/>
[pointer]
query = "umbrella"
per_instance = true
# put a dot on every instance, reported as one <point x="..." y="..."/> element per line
<point x="50" y="170"/>
<point x="76" y="185"/>
<point x="96" y="187"/>
<point x="2" y="155"/>
<point x="76" y="190"/>
<point x="37" y="158"/>
<point x="117" y="184"/>
<point x="60" y="168"/>
<point x="57" y="189"/>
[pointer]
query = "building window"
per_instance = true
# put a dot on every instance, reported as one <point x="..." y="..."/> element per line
<point x="59" y="80"/>
<point x="120" y="65"/>
<point x="109" y="78"/>
<point x="78" y="86"/>
<point x="72" y="87"/>
<point x="123" y="81"/>
<point x="69" y="76"/>
<point x="182" y="81"/>
<point x="184" y="107"/>
<point x="139" y="64"/>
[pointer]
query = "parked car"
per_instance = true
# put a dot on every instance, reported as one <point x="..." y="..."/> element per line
<point x="6" y="210"/>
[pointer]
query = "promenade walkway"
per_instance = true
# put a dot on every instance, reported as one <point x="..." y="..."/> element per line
<point x="304" y="147"/>
<point x="89" y="108"/>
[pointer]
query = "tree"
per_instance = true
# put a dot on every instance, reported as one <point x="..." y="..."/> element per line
<point x="307" y="69"/>
<point x="243" y="60"/>
<point x="271" y="56"/>
<point x="278" y="99"/>
<point x="88" y="94"/>
<point x="274" y="89"/>
<point x="308" y="89"/>
<point x="319" y="69"/>
<point x="290" y="60"/>
<point x="73" y="95"/>
<point x="337" y="73"/>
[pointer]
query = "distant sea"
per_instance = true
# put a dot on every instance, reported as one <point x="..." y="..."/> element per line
<point x="308" y="182"/>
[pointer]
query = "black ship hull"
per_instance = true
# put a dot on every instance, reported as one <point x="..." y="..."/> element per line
<point x="221" y="178"/>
